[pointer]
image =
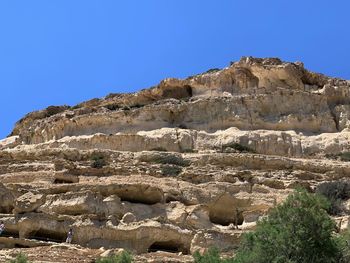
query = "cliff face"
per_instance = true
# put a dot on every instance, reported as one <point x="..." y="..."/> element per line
<point x="177" y="167"/>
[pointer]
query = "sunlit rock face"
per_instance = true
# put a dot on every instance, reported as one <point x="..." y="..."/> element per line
<point x="180" y="167"/>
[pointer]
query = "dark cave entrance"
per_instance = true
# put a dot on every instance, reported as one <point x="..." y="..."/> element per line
<point x="6" y="209"/>
<point x="63" y="181"/>
<point x="49" y="236"/>
<point x="10" y="233"/>
<point x="168" y="246"/>
<point x="225" y="219"/>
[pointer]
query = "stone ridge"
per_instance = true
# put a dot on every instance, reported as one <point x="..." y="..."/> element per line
<point x="183" y="166"/>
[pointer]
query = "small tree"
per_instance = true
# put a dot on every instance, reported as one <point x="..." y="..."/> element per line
<point x="297" y="231"/>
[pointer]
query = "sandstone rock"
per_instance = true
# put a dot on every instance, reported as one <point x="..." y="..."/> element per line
<point x="128" y="218"/>
<point x="186" y="165"/>
<point x="28" y="202"/>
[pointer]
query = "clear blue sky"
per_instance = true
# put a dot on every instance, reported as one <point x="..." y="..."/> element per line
<point x="55" y="52"/>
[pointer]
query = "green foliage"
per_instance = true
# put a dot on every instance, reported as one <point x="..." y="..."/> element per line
<point x="344" y="156"/>
<point x="335" y="192"/>
<point x="212" y="70"/>
<point x="297" y="231"/>
<point x="124" y="257"/>
<point x="20" y="258"/>
<point x="170" y="170"/>
<point x="171" y="159"/>
<point x="211" y="256"/>
<point x="344" y="244"/>
<point x="236" y="147"/>
<point x="98" y="161"/>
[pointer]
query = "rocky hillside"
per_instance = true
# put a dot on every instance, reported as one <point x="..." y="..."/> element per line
<point x="182" y="166"/>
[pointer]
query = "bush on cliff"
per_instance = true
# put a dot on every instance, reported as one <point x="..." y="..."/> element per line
<point x="97" y="161"/>
<point x="335" y="192"/>
<point x="297" y="231"/>
<point x="20" y="258"/>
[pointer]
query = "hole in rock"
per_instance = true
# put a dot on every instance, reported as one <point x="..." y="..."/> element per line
<point x="189" y="90"/>
<point x="46" y="235"/>
<point x="171" y="198"/>
<point x="62" y="181"/>
<point x="10" y="233"/>
<point x="21" y="246"/>
<point x="168" y="246"/>
<point x="226" y="218"/>
<point x="138" y="200"/>
<point x="6" y="209"/>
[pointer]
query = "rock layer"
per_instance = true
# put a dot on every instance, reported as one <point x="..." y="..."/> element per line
<point x="180" y="167"/>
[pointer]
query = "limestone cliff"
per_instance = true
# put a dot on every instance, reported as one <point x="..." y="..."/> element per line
<point x="177" y="167"/>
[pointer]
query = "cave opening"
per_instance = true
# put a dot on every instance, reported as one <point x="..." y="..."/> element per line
<point x="21" y="246"/>
<point x="138" y="200"/>
<point x="47" y="235"/>
<point x="171" y="198"/>
<point x="6" y="209"/>
<point x="62" y="181"/>
<point x="189" y="90"/>
<point x="168" y="246"/>
<point x="225" y="219"/>
<point x="10" y="233"/>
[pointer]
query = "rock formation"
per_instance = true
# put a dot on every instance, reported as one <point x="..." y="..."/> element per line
<point x="182" y="166"/>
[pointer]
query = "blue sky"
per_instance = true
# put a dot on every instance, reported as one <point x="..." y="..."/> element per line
<point x="55" y="52"/>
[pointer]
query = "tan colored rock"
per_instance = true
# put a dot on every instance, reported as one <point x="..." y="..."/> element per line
<point x="184" y="166"/>
<point x="28" y="202"/>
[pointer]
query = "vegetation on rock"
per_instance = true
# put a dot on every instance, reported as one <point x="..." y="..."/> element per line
<point x="124" y="257"/>
<point x="98" y="161"/>
<point x="297" y="231"/>
<point x="20" y="258"/>
<point x="335" y="192"/>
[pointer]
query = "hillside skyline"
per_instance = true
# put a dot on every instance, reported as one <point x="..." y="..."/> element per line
<point x="57" y="53"/>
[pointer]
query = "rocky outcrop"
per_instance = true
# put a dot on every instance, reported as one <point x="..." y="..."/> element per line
<point x="180" y="167"/>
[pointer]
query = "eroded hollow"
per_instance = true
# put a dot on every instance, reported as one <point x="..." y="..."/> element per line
<point x="62" y="181"/>
<point x="137" y="200"/>
<point x="225" y="219"/>
<point x="143" y="195"/>
<point x="168" y="246"/>
<point x="21" y="246"/>
<point x="10" y="233"/>
<point x="46" y="235"/>
<point x="6" y="209"/>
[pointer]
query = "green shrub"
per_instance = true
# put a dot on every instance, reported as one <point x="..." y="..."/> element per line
<point x="20" y="258"/>
<point x="344" y="244"/>
<point x="98" y="161"/>
<point x="297" y="231"/>
<point x="236" y="147"/>
<point x="344" y="156"/>
<point x="124" y="257"/>
<point x="112" y="106"/>
<point x="171" y="159"/>
<point x="170" y="170"/>
<point x="335" y="192"/>
<point x="211" y="256"/>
